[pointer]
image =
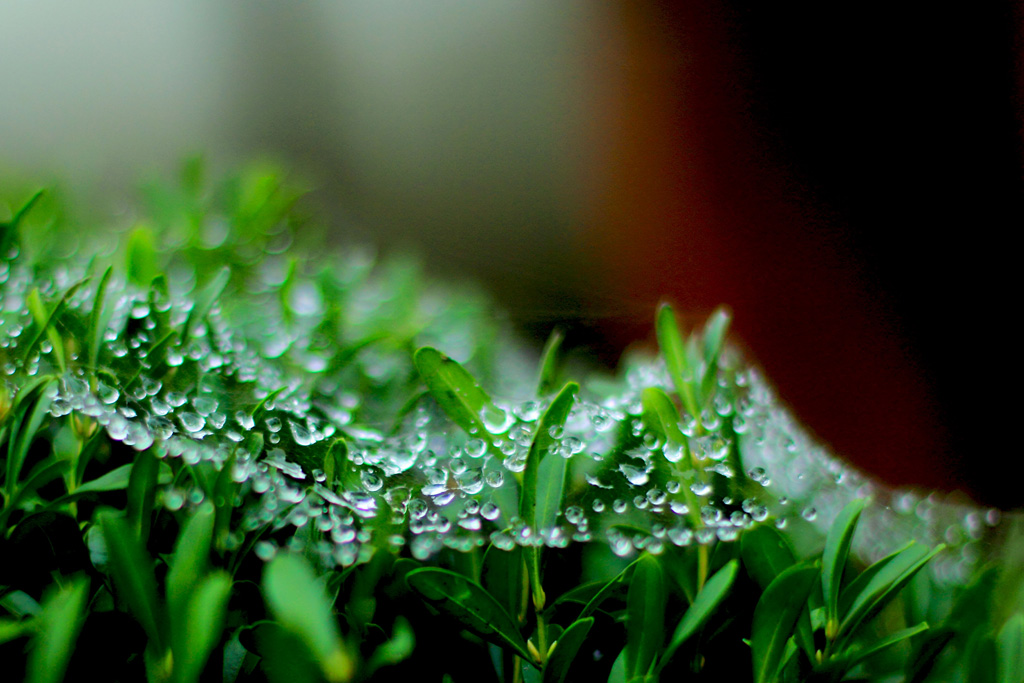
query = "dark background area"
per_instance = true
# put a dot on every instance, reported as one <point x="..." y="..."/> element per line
<point x="851" y="175"/>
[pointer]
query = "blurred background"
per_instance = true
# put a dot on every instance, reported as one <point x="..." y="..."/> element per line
<point x="845" y="176"/>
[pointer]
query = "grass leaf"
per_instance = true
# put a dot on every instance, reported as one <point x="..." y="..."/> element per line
<point x="883" y="587"/>
<point x="300" y="606"/>
<point x="205" y="301"/>
<point x="43" y="324"/>
<point x="203" y="624"/>
<point x="843" y="662"/>
<point x="766" y="553"/>
<point x="713" y="338"/>
<point x="1011" y="650"/>
<point x="547" y="380"/>
<point x="673" y="349"/>
<point x="468" y="602"/>
<point x="455" y="390"/>
<point x="57" y="629"/>
<point x="833" y="560"/>
<point x="543" y="515"/>
<point x="132" y="569"/>
<point x="98" y="319"/>
<point x="31" y="407"/>
<point x="143" y="261"/>
<point x="396" y="649"/>
<point x="556" y="668"/>
<point x="775" y="618"/>
<point x="709" y="598"/>
<point x="645" y="617"/>
<point x="188" y="565"/>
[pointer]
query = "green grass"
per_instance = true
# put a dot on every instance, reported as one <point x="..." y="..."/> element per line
<point x="232" y="451"/>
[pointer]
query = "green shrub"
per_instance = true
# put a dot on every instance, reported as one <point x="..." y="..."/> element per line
<point x="230" y="451"/>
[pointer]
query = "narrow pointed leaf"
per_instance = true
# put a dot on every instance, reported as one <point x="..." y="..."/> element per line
<point x="11" y="629"/>
<point x="188" y="564"/>
<point x="142" y="482"/>
<point x="396" y="649"/>
<point x="204" y="302"/>
<point x="132" y="569"/>
<point x="300" y="606"/>
<point x="673" y="349"/>
<point x="39" y="313"/>
<point x="709" y="598"/>
<point x="503" y="575"/>
<point x="28" y="415"/>
<point x="766" y="553"/>
<point x="9" y="233"/>
<point x="550" y="490"/>
<point x="982" y="658"/>
<point x="543" y="516"/>
<point x="775" y="618"/>
<point x="884" y="587"/>
<point x="468" y="602"/>
<point x="43" y="327"/>
<point x="845" y="661"/>
<point x="645" y="616"/>
<point x="454" y="389"/>
<point x="203" y="626"/>
<point x="1011" y="650"/>
<point x="551" y="422"/>
<point x="114" y="480"/>
<point x="98" y="319"/>
<point x="41" y="475"/>
<point x="57" y="628"/>
<point x="556" y="668"/>
<point x="713" y="338"/>
<point x="547" y="380"/>
<point x="142" y="257"/>
<point x="608" y="590"/>
<point x="833" y="560"/>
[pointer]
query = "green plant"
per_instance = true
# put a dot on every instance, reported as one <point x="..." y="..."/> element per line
<point x="226" y="456"/>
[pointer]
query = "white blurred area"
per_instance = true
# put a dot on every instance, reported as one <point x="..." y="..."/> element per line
<point x="462" y="128"/>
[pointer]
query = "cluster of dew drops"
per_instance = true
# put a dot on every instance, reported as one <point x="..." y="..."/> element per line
<point x="429" y="486"/>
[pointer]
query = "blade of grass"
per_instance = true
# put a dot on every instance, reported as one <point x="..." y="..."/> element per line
<point x="455" y="390"/>
<point x="766" y="553"/>
<point x="645" y="617"/>
<point x="43" y="327"/>
<point x="842" y="663"/>
<point x="883" y="589"/>
<point x="547" y="380"/>
<point x="544" y="441"/>
<point x="188" y="564"/>
<point x="474" y="607"/>
<point x="98" y="320"/>
<point x="833" y="560"/>
<point x="301" y="607"/>
<point x="57" y="629"/>
<point x="709" y="598"/>
<point x="204" y="623"/>
<point x="204" y="302"/>
<point x="30" y="408"/>
<point x="564" y="651"/>
<point x="1011" y="650"/>
<point x="673" y="349"/>
<point x="775" y="618"/>
<point x="9" y="236"/>
<point x="132" y="570"/>
<point x="713" y="338"/>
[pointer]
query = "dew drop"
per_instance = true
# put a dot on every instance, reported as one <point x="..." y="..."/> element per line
<point x="191" y="422"/>
<point x="300" y="434"/>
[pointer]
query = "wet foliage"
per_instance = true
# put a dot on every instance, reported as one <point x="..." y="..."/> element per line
<point x="231" y="451"/>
